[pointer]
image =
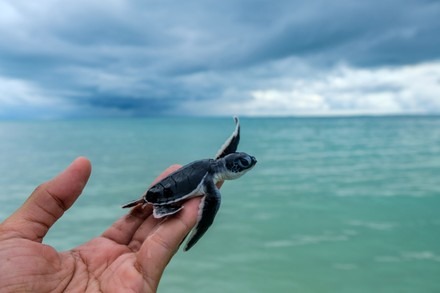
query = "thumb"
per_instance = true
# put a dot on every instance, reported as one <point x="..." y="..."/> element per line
<point x="49" y="201"/>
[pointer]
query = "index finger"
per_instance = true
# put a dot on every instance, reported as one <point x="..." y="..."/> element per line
<point x="159" y="247"/>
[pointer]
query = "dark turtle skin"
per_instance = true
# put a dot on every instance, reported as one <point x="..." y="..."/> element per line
<point x="179" y="184"/>
<point x="198" y="178"/>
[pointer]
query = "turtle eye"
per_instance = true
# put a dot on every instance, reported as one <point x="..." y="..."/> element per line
<point x="245" y="162"/>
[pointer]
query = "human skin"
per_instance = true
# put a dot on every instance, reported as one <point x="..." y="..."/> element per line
<point x="130" y="256"/>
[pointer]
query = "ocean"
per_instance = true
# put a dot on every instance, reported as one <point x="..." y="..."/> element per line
<point x="333" y="205"/>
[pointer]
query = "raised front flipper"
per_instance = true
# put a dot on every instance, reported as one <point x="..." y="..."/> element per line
<point x="207" y="210"/>
<point x="231" y="144"/>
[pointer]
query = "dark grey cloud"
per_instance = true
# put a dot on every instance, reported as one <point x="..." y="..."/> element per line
<point x="144" y="57"/>
<point x="368" y="33"/>
<point x="134" y="106"/>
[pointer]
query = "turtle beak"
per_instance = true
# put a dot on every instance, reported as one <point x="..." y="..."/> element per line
<point x="254" y="160"/>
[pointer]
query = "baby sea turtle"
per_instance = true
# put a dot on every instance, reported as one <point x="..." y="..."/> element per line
<point x="198" y="178"/>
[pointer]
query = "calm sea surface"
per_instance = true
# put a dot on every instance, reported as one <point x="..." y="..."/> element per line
<point x="333" y="205"/>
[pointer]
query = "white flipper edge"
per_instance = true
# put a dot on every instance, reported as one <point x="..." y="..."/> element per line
<point x="199" y="216"/>
<point x="231" y="143"/>
<point x="207" y="210"/>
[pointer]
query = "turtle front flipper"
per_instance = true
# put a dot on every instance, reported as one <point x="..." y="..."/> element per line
<point x="207" y="210"/>
<point x="231" y="144"/>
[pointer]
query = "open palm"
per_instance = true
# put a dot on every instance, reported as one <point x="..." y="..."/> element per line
<point x="130" y="256"/>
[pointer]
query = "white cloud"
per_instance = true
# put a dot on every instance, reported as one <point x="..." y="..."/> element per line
<point x="15" y="92"/>
<point x="284" y="103"/>
<point x="20" y="97"/>
<point x="342" y="91"/>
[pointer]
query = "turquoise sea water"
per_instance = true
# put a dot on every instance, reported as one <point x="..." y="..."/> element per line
<point x="333" y="205"/>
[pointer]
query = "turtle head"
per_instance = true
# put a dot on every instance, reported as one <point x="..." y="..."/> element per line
<point x="236" y="164"/>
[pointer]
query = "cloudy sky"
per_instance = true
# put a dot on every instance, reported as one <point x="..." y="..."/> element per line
<point x="138" y="58"/>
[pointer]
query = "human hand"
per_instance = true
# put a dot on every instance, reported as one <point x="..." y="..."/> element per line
<point x="130" y="256"/>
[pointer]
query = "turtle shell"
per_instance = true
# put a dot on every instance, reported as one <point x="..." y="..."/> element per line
<point x="180" y="184"/>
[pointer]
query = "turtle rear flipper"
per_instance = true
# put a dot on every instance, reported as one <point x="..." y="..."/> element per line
<point x="160" y="211"/>
<point x="133" y="203"/>
<point x="207" y="210"/>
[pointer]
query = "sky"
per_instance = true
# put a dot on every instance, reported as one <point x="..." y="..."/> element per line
<point x="121" y="58"/>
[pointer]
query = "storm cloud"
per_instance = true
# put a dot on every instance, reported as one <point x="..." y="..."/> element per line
<point x="135" y="58"/>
